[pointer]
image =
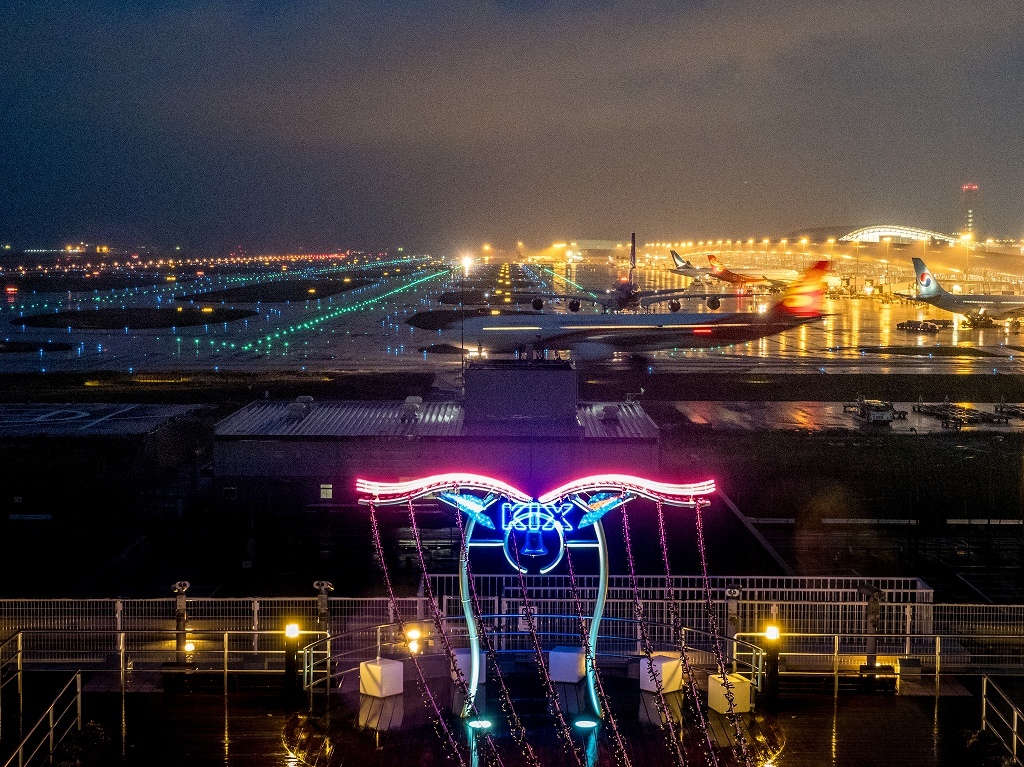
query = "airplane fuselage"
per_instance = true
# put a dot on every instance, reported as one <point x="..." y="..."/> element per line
<point x="996" y="307"/>
<point x="598" y="335"/>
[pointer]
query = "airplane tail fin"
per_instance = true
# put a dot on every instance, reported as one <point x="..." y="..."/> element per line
<point x="679" y="261"/>
<point x="805" y="296"/>
<point x="716" y="265"/>
<point x="927" y="285"/>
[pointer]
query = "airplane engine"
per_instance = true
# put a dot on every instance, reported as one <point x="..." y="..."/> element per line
<point x="714" y="302"/>
<point x="592" y="351"/>
<point x="673" y="306"/>
<point x="574" y="305"/>
<point x="537" y="304"/>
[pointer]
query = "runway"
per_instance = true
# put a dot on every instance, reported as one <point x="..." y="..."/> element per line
<point x="364" y="329"/>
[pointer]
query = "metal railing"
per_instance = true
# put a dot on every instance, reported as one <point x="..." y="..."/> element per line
<point x="1002" y="718"/>
<point x="811" y="653"/>
<point x="221" y="653"/>
<point x="10" y="672"/>
<point x="823" y="610"/>
<point x="63" y="715"/>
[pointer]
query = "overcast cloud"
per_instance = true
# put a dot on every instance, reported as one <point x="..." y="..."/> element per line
<point x="325" y="125"/>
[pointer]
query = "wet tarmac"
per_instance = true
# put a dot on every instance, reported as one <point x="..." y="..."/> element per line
<point x="364" y="329"/>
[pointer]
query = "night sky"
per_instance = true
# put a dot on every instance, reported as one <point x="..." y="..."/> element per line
<point x="325" y="125"/>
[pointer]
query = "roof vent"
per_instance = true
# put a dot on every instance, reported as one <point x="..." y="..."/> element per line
<point x="411" y="409"/>
<point x="298" y="410"/>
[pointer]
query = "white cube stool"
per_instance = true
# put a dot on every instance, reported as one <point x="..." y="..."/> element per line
<point x="567" y="664"/>
<point x="381" y="678"/>
<point x="463" y="656"/>
<point x="668" y="667"/>
<point x="740" y="693"/>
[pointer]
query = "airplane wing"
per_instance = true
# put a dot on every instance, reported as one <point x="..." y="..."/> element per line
<point x="478" y="298"/>
<point x="679" y="295"/>
<point x="606" y="302"/>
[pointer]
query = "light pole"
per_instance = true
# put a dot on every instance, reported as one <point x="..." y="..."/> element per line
<point x="966" y="240"/>
<point x="766" y="242"/>
<point x="831" y="250"/>
<point x="887" y="241"/>
<point x="466" y="263"/>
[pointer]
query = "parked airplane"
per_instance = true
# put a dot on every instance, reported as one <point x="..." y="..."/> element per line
<point x="600" y="336"/>
<point x="624" y="295"/>
<point x="688" y="269"/>
<point x="980" y="310"/>
<point x="773" y="279"/>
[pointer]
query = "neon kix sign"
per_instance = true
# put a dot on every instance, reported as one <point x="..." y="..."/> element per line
<point x="534" y="532"/>
<point x="535" y="522"/>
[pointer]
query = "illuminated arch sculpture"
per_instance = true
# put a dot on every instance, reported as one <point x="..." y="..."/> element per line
<point x="547" y="519"/>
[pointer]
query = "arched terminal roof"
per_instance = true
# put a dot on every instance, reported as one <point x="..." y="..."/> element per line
<point x="897" y="233"/>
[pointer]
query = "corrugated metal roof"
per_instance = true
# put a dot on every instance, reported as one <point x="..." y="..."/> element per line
<point x="428" y="419"/>
<point x="342" y="419"/>
<point x="621" y="420"/>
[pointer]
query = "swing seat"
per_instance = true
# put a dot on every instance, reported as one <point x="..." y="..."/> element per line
<point x="381" y="678"/>
<point x="717" y="700"/>
<point x="567" y="664"/>
<point x="669" y="670"/>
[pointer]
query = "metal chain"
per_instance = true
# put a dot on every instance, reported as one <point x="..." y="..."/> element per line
<point x="439" y="720"/>
<point x="677" y="626"/>
<point x="591" y="654"/>
<point x="663" y="710"/>
<point x="516" y="727"/>
<point x="556" y="707"/>
<point x="741" y="741"/>
<point x="460" y="679"/>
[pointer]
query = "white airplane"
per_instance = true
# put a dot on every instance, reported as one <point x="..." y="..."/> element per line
<point x="600" y="336"/>
<point x="980" y="310"/>
<point x="687" y="268"/>
<point x="626" y="295"/>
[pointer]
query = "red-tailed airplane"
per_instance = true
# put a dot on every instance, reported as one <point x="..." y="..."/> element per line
<point x="600" y="336"/>
<point x="773" y="279"/>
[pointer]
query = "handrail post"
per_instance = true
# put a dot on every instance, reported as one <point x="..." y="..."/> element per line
<point x="121" y="660"/>
<point x="21" y="690"/>
<point x="1015" y="720"/>
<point x="835" y="656"/>
<point x="984" y="702"/>
<point x="327" y="684"/>
<point x="49" y="714"/>
<point x="308" y="660"/>
<point x="225" y="662"/>
<point x="78" y="699"/>
<point x="908" y="614"/>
